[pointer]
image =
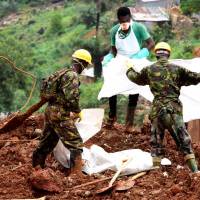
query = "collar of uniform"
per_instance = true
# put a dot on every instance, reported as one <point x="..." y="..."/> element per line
<point x="163" y="61"/>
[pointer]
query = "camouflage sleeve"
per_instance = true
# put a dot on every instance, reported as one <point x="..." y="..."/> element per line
<point x="70" y="89"/>
<point x="138" y="78"/>
<point x="187" y="77"/>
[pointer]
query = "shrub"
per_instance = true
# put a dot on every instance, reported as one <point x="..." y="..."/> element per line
<point x="190" y="6"/>
<point x="56" y="25"/>
<point x="162" y="32"/>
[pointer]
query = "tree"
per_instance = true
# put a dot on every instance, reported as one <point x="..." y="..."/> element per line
<point x="13" y="83"/>
<point x="190" y="6"/>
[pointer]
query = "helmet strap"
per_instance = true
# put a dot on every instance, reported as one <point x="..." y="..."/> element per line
<point x="77" y="61"/>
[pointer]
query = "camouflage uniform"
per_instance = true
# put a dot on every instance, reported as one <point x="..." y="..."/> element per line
<point x="58" y="124"/>
<point x="165" y="81"/>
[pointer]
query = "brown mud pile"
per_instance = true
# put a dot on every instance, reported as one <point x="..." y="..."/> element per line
<point x="17" y="177"/>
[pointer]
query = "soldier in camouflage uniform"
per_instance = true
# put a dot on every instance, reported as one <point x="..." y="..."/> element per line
<point x="165" y="81"/>
<point x="61" y="112"/>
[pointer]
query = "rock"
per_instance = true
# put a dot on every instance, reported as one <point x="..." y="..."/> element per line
<point x="175" y="189"/>
<point x="156" y="192"/>
<point x="7" y="144"/>
<point x="45" y="179"/>
<point x="38" y="132"/>
<point x="41" y="31"/>
<point x="196" y="52"/>
<point x="31" y="22"/>
<point x="88" y="193"/>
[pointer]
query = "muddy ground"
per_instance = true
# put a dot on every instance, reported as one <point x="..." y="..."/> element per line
<point x="17" y="175"/>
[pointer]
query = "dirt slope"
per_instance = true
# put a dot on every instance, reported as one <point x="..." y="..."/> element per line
<point x="16" y="172"/>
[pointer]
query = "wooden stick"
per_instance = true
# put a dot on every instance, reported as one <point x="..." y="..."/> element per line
<point x="137" y="175"/>
<point x="19" y="140"/>
<point x="42" y="198"/>
<point x="124" y="164"/>
<point x="92" y="182"/>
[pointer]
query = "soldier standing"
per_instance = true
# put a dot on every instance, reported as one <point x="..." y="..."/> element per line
<point x="165" y="81"/>
<point x="61" y="112"/>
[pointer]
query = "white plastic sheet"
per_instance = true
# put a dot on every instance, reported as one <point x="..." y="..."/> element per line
<point x="97" y="160"/>
<point x="87" y="127"/>
<point x="88" y="72"/>
<point x="116" y="82"/>
<point x="91" y="122"/>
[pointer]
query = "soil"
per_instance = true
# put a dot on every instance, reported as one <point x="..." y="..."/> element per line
<point x="20" y="181"/>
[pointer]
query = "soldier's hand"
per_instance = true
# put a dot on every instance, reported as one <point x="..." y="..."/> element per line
<point x="129" y="64"/>
<point x="81" y="115"/>
<point x="76" y="116"/>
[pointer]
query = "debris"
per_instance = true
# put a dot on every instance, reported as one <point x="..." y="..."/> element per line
<point x="179" y="167"/>
<point x="165" y="174"/>
<point x="8" y="142"/>
<point x="19" y="118"/>
<point x="90" y="183"/>
<point x="175" y="189"/>
<point x="15" y="181"/>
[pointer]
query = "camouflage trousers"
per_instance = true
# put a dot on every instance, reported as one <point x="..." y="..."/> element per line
<point x="58" y="125"/>
<point x="175" y="125"/>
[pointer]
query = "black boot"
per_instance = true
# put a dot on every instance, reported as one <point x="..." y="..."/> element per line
<point x="38" y="159"/>
<point x="129" y="119"/>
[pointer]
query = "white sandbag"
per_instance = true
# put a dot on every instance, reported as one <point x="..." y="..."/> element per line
<point x="98" y="160"/>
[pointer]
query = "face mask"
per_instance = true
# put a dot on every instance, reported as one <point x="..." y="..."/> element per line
<point x="125" y="26"/>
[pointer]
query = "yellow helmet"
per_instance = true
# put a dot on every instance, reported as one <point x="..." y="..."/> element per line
<point x="83" y="55"/>
<point x="162" y="45"/>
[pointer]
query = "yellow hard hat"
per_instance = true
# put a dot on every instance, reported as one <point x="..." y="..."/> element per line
<point x="83" y="55"/>
<point x="162" y="45"/>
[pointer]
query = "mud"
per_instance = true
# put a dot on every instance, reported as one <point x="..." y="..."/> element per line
<point x="19" y="180"/>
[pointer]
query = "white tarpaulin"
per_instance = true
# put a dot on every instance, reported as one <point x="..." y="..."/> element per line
<point x="97" y="160"/>
<point x="89" y="125"/>
<point x="91" y="122"/>
<point x="116" y="82"/>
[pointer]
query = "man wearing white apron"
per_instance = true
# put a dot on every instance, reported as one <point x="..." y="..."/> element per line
<point x="128" y="38"/>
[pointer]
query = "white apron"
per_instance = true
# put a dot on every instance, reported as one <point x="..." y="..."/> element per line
<point x="127" y="46"/>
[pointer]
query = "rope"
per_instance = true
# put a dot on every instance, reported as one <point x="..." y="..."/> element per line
<point x="26" y="74"/>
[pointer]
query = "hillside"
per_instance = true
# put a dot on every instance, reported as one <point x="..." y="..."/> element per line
<point x="40" y="38"/>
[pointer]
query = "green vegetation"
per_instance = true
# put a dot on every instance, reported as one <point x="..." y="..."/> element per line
<point x="190" y="6"/>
